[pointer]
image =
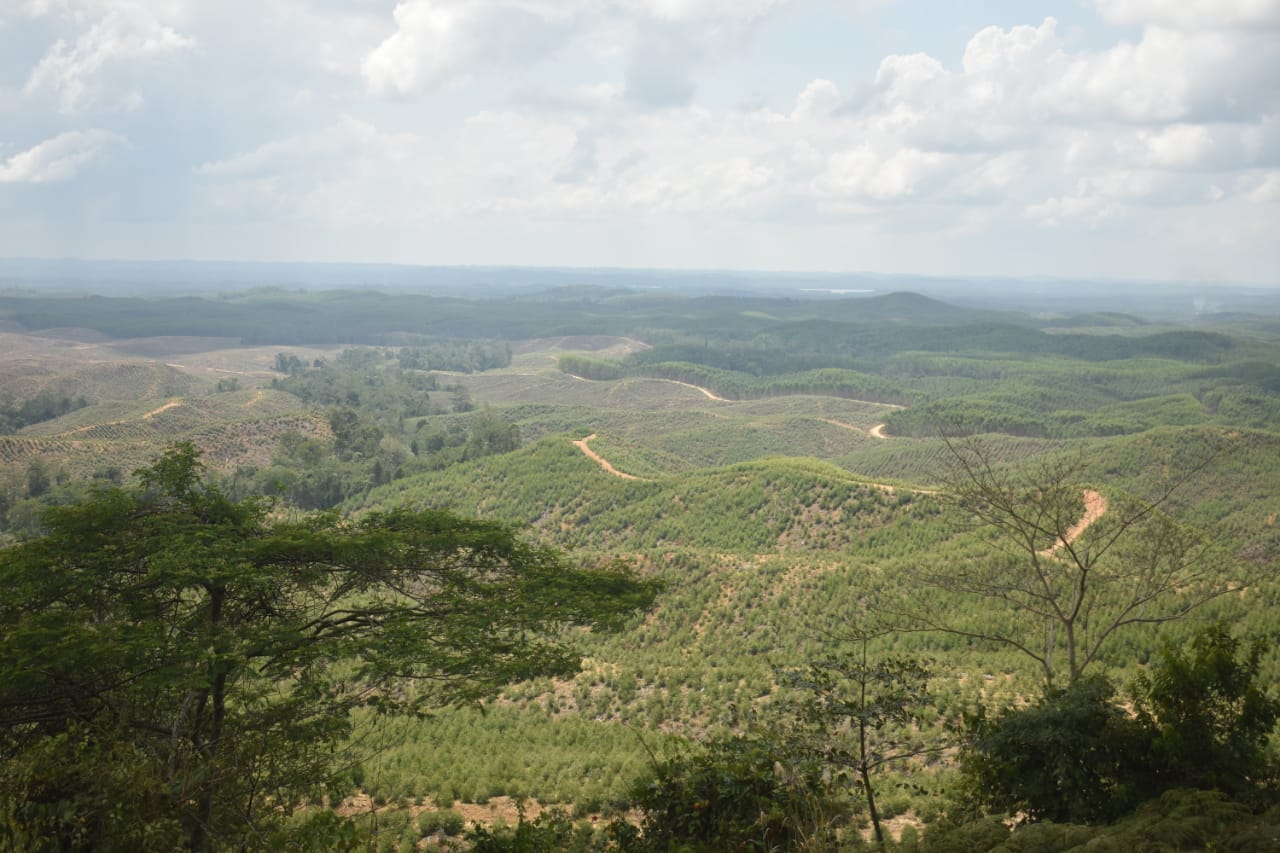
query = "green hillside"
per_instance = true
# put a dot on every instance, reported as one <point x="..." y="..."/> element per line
<point x="786" y="469"/>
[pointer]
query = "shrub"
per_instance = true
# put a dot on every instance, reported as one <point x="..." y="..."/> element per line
<point x="737" y="794"/>
<point x="448" y="820"/>
<point x="1074" y="757"/>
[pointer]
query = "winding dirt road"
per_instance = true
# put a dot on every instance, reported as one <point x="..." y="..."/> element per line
<point x="876" y="431"/>
<point x="172" y="404"/>
<point x="1094" y="506"/>
<point x="581" y="444"/>
<point x="706" y="392"/>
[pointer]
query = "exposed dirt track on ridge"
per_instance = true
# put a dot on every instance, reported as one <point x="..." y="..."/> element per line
<point x="709" y="394"/>
<point x="1094" y="506"/>
<point x="841" y="424"/>
<point x="877" y="431"/>
<point x="172" y="404"/>
<point x="581" y="444"/>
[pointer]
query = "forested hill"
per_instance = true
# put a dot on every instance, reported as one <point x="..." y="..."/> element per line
<point x="273" y="316"/>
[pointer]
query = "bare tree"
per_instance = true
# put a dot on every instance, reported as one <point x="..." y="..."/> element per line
<point x="1065" y="567"/>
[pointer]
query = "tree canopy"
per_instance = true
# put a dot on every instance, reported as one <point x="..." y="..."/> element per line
<point x="176" y="666"/>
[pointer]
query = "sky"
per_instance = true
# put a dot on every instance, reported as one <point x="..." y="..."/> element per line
<point x="1119" y="139"/>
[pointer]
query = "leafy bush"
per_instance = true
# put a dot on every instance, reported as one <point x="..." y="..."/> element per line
<point x="1072" y="757"/>
<point x="735" y="794"/>
<point x="1078" y="756"/>
<point x="1209" y="716"/>
<point x="446" y="820"/>
<point x="552" y="830"/>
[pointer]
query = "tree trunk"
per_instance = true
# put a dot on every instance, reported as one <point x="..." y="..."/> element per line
<point x="210" y="745"/>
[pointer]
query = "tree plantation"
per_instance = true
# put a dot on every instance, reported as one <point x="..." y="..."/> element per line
<point x="609" y="569"/>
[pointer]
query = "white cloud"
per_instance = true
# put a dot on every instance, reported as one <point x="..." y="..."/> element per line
<point x="699" y="10"/>
<point x="57" y="159"/>
<point x="349" y="174"/>
<point x="1024" y="78"/>
<point x="122" y="33"/>
<point x="1266" y="188"/>
<point x="1208" y="147"/>
<point x="865" y="174"/>
<point x="818" y="100"/>
<point x="1192" y="15"/>
<point x="436" y="41"/>
<point x="1179" y="146"/>
<point x="385" y="120"/>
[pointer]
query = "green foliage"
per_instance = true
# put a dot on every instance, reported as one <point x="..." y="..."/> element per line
<point x="1203" y="720"/>
<point x="368" y="379"/>
<point x="1063" y="591"/>
<point x="1179" y="821"/>
<point x="44" y="406"/>
<point x="830" y="381"/>
<point x="222" y="650"/>
<point x="460" y="356"/>
<point x="1074" y="756"/>
<point x="758" y="512"/>
<point x="589" y="368"/>
<point x="444" y="820"/>
<point x="287" y="362"/>
<point x="736" y="794"/>
<point x="76" y="790"/>
<point x="315" y="830"/>
<point x="1211" y="715"/>
<point x="379" y="413"/>
<point x="856" y="713"/>
<point x="516" y="747"/>
<point x="553" y="830"/>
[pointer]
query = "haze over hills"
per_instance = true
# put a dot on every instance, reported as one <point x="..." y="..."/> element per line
<point x="1180" y="300"/>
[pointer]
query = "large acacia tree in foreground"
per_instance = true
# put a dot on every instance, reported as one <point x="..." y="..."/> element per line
<point x="176" y="667"/>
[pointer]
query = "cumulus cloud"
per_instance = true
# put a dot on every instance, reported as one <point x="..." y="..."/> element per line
<point x="57" y="159"/>
<point x="118" y="34"/>
<point x="381" y="117"/>
<point x="1024" y="77"/>
<point x="1192" y="15"/>
<point x="350" y="174"/>
<point x="436" y="41"/>
<point x="1265" y="188"/>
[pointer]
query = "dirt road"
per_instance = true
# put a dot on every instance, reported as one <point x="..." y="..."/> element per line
<point x="581" y="444"/>
<point x="1094" y="506"/>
